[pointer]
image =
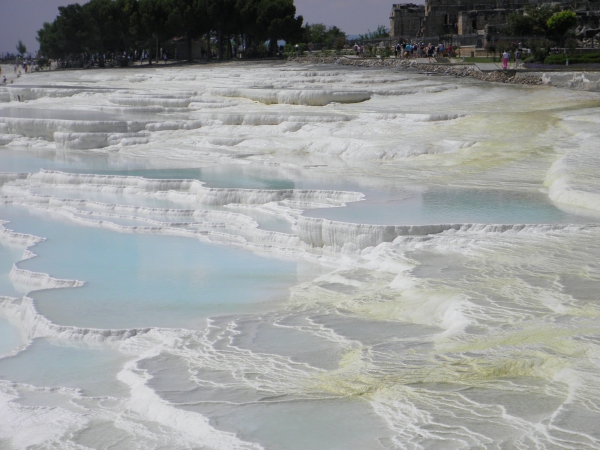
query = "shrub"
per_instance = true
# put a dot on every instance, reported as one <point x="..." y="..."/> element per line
<point x="591" y="58"/>
<point x="339" y="44"/>
<point x="43" y="63"/>
<point x="561" y="22"/>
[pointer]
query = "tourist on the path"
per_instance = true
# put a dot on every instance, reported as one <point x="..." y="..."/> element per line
<point x="430" y="50"/>
<point x="165" y="57"/>
<point x="505" y="58"/>
<point x="518" y="57"/>
<point x="3" y="80"/>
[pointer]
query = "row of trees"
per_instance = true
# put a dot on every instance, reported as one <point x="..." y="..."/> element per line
<point x="105" y="26"/>
<point x="545" y="21"/>
<point x="318" y="33"/>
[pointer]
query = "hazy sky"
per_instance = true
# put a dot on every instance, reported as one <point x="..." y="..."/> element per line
<point x="20" y="19"/>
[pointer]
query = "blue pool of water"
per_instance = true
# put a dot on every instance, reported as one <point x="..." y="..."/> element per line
<point x="217" y="177"/>
<point x="48" y="364"/>
<point x="8" y="256"/>
<point x="452" y="206"/>
<point x="10" y="338"/>
<point x="146" y="280"/>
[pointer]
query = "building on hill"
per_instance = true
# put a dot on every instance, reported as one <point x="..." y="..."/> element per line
<point x="472" y="18"/>
<point x="407" y="20"/>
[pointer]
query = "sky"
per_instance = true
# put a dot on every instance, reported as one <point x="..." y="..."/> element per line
<point x="20" y="19"/>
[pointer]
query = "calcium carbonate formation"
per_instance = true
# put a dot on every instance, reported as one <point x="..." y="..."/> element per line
<point x="294" y="256"/>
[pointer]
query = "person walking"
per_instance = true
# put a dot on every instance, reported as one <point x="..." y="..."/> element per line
<point x="505" y="58"/>
<point x="518" y="58"/>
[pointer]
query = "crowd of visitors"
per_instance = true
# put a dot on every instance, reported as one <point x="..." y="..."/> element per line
<point x="408" y="50"/>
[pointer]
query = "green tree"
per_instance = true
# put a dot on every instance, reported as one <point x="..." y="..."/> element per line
<point x="187" y="18"/>
<point x="76" y="28"/>
<point x="21" y="48"/>
<point x="560" y="23"/>
<point x="150" y="22"/>
<point x="251" y="32"/>
<point x="540" y="16"/>
<point x="47" y="37"/>
<point x="224" y="18"/>
<point x="111" y="24"/>
<point x="533" y="21"/>
<point x="380" y="33"/>
<point x="277" y="20"/>
<point x="318" y="33"/>
<point x="339" y="44"/>
<point x="520" y="24"/>
<point x="334" y="33"/>
<point x="315" y="33"/>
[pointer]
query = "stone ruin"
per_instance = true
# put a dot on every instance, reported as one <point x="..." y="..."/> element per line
<point x="477" y="18"/>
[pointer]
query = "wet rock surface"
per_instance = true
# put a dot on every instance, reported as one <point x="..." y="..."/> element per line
<point x="509" y="76"/>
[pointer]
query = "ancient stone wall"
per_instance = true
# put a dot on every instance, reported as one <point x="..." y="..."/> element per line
<point x="407" y="20"/>
<point x="465" y="17"/>
<point x="470" y="22"/>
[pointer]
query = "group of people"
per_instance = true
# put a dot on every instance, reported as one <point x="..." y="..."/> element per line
<point x="359" y="49"/>
<point x="408" y="50"/>
<point x="518" y="58"/>
<point x="7" y="57"/>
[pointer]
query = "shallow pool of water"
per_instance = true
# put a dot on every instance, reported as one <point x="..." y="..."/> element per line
<point x="452" y="206"/>
<point x="135" y="280"/>
<point x="8" y="256"/>
<point x="46" y="363"/>
<point x="10" y="338"/>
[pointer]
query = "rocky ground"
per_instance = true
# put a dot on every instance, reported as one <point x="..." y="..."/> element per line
<point x="508" y="76"/>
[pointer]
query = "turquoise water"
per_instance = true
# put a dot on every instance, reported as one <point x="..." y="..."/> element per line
<point x="10" y="338"/>
<point x="451" y="206"/>
<point x="146" y="280"/>
<point x="8" y="256"/>
<point x="216" y="177"/>
<point x="49" y="364"/>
